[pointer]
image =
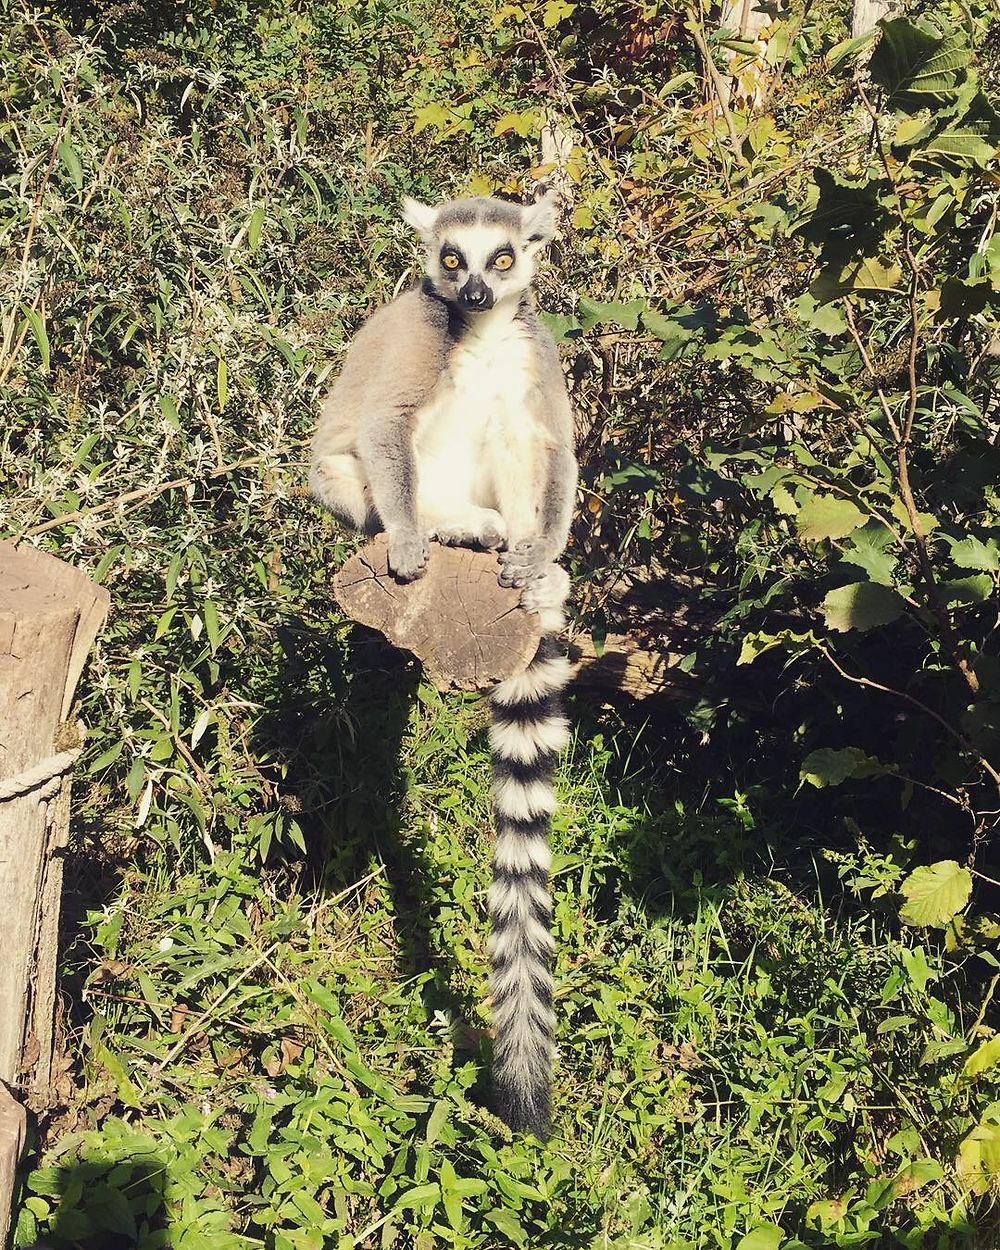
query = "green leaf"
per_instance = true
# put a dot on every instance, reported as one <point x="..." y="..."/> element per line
<point x="979" y="1157"/>
<point x="71" y="162"/>
<point x="221" y="383"/>
<point x="848" y="214"/>
<point x="915" y="66"/>
<point x="962" y="297"/>
<point x="973" y="553"/>
<point x="867" y="276"/>
<point x="862" y="606"/>
<point x="984" y="1057"/>
<point x="974" y="136"/>
<point x="255" y="227"/>
<point x="211" y="615"/>
<point x="847" y="48"/>
<point x="935" y="893"/>
<point x="421" y="1198"/>
<point x="764" y="1237"/>
<point x="437" y="1119"/>
<point x="829" y="766"/>
<point x="870" y="550"/>
<point x="828" y="516"/>
<point x="756" y="644"/>
<point x="974" y="589"/>
<point x="615" y="312"/>
<point x="37" y="323"/>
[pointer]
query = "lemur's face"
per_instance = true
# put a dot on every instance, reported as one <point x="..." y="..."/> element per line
<point x="481" y="252"/>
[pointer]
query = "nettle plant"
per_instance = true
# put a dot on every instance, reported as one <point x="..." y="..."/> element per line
<point x="873" y="554"/>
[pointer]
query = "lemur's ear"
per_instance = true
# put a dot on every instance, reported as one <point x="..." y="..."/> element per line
<point x="538" y="221"/>
<point x="421" y="217"/>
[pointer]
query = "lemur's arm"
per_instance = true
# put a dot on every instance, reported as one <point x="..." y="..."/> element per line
<point x="385" y="449"/>
<point x="529" y="558"/>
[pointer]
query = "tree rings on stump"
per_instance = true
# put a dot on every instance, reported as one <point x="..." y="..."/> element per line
<point x="467" y="630"/>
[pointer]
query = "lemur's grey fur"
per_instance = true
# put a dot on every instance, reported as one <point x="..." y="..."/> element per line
<point x="451" y="421"/>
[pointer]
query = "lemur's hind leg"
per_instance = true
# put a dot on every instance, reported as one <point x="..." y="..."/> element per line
<point x="340" y="484"/>
<point x="472" y="527"/>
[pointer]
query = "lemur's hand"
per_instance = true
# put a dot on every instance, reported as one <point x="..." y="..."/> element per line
<point x="525" y="561"/>
<point x="408" y="550"/>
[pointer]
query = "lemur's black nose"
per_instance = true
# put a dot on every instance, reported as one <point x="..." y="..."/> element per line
<point x="476" y="294"/>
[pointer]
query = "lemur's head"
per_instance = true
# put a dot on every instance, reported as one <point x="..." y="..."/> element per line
<point x="482" y="251"/>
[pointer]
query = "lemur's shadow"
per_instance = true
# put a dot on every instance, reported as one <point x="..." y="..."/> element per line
<point x="337" y="727"/>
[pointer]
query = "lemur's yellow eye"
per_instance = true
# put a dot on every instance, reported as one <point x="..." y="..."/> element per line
<point x="503" y="261"/>
<point x="450" y="260"/>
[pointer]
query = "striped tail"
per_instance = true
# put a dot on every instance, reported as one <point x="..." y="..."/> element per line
<point x="527" y="734"/>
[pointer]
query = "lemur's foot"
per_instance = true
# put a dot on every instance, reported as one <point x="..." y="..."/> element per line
<point x="525" y="561"/>
<point x="487" y="530"/>
<point x="408" y="551"/>
<point x="549" y="591"/>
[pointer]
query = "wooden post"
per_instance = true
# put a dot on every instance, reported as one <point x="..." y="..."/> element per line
<point x="867" y="14"/>
<point x="49" y="617"/>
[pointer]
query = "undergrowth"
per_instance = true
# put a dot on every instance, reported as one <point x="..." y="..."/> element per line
<point x="273" y="1030"/>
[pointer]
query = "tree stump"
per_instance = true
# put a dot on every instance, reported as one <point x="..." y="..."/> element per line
<point x="49" y="617"/>
<point x="467" y="630"/>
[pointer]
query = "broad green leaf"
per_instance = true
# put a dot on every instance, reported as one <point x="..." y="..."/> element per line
<point x="421" y="1197"/>
<point x="913" y="1176"/>
<point x="917" y="967"/>
<point x="867" y="276"/>
<point x="973" y="553"/>
<point x="984" y="1057"/>
<point x="870" y="549"/>
<point x="828" y="516"/>
<point x="914" y="65"/>
<point x="524" y="124"/>
<point x="962" y="297"/>
<point x="764" y="1237"/>
<point x="862" y="606"/>
<point x="847" y="213"/>
<point x="972" y="136"/>
<point x="829" y="766"/>
<point x="935" y="893"/>
<point x="592" y="313"/>
<point x="974" y="589"/>
<point x="756" y="644"/>
<point x="978" y="1158"/>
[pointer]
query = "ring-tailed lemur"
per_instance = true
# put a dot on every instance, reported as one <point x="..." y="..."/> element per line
<point x="451" y="420"/>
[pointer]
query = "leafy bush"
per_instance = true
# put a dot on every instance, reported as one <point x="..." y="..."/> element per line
<point x="780" y="325"/>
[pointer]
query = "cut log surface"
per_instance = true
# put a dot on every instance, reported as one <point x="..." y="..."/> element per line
<point x="467" y="630"/>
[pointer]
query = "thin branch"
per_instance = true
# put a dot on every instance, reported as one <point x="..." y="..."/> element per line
<point x="923" y="707"/>
<point x="145" y="492"/>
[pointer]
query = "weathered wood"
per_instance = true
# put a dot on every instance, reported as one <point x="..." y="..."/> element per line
<point x="13" y="1123"/>
<point x="867" y="14"/>
<point x="628" y="667"/>
<point x="467" y="630"/>
<point x="49" y="617"/>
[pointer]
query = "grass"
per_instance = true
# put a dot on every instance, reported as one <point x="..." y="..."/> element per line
<point x="273" y="1028"/>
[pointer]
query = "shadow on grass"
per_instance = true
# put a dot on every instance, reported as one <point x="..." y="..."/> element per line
<point x="337" y="725"/>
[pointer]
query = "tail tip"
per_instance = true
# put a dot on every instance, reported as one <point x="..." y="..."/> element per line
<point x="524" y="1110"/>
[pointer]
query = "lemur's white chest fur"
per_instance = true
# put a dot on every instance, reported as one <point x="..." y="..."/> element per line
<point x="477" y="438"/>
